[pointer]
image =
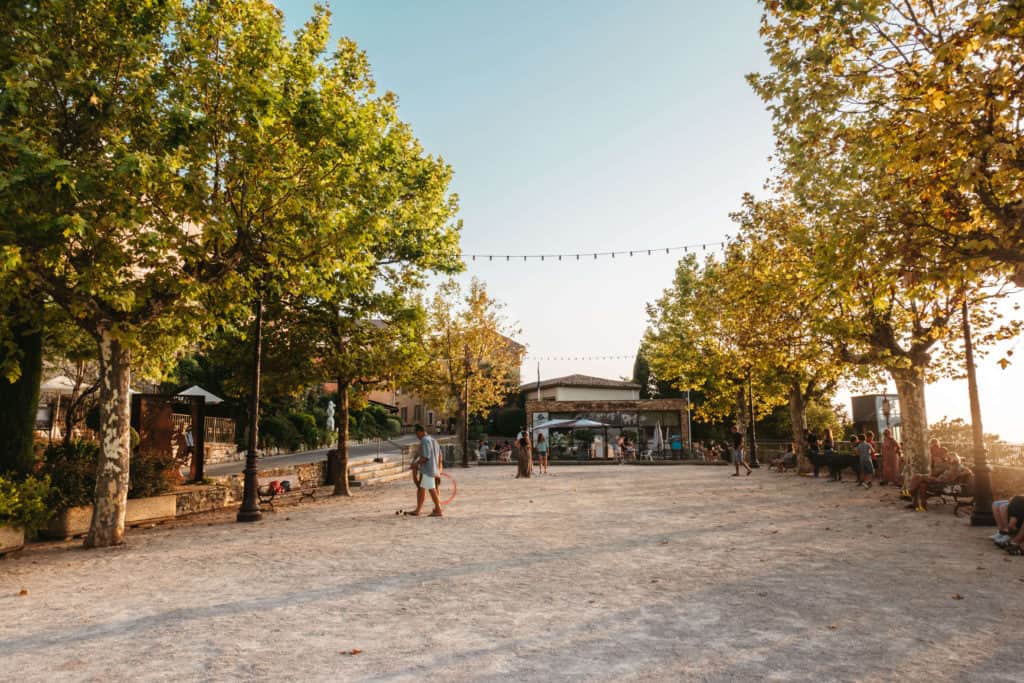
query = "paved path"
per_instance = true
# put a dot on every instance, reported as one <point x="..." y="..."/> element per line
<point x="356" y="452"/>
<point x="596" y="574"/>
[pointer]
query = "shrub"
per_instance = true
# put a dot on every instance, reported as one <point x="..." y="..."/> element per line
<point x="151" y="473"/>
<point x="24" y="503"/>
<point x="72" y="470"/>
<point x="277" y="431"/>
<point x="306" y="429"/>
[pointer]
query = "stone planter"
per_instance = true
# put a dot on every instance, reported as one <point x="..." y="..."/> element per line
<point x="76" y="521"/>
<point x="70" y="522"/>
<point x="153" y="509"/>
<point x="11" y="538"/>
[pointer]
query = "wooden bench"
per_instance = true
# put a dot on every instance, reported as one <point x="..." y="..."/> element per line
<point x="269" y="488"/>
<point x="961" y="493"/>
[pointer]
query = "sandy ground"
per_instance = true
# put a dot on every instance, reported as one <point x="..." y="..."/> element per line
<point x="598" y="573"/>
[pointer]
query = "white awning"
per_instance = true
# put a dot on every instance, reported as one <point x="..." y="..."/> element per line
<point x="197" y="390"/>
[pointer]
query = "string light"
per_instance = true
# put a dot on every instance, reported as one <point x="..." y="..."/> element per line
<point x="595" y="255"/>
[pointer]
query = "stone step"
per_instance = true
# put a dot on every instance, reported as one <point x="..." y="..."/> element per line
<point x="380" y="470"/>
<point x="377" y="474"/>
<point x="371" y="466"/>
<point x="382" y="479"/>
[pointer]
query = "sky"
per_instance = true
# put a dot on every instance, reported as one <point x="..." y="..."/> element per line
<point x="591" y="125"/>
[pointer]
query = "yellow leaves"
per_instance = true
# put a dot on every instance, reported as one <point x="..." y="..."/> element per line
<point x="934" y="99"/>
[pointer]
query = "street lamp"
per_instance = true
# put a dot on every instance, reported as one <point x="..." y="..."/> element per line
<point x="982" y="513"/>
<point x="886" y="410"/>
<point x="753" y="429"/>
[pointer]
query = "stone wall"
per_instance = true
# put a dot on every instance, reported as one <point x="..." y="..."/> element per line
<point x="309" y="474"/>
<point x="1007" y="482"/>
<point x="221" y="452"/>
<point x="193" y="499"/>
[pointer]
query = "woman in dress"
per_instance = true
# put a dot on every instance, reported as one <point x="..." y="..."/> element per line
<point x="890" y="459"/>
<point x="524" y="458"/>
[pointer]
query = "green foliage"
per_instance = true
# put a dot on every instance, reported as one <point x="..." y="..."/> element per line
<point x="277" y="431"/>
<point x="373" y="422"/>
<point x="151" y="474"/>
<point x="309" y="435"/>
<point x="72" y="470"/>
<point x="508" y="421"/>
<point x="24" y="503"/>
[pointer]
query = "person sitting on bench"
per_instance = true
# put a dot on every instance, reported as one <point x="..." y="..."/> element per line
<point x="920" y="485"/>
<point x="785" y="461"/>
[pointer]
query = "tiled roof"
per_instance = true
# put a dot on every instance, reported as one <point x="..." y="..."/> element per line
<point x="581" y="381"/>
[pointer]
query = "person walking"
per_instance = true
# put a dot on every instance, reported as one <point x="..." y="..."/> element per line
<point x="890" y="459"/>
<point x="426" y="472"/>
<point x="737" y="451"/>
<point x="542" y="454"/>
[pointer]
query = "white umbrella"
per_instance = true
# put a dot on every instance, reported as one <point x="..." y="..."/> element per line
<point x="199" y="391"/>
<point x="58" y="385"/>
<point x="549" y="424"/>
<point x="659" y="440"/>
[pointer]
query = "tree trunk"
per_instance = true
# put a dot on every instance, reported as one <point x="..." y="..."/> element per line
<point x="798" y="416"/>
<point x="341" y="487"/>
<point x="18" y="401"/>
<point x="111" y="497"/>
<point x="74" y="406"/>
<point x="913" y="418"/>
<point x="462" y="417"/>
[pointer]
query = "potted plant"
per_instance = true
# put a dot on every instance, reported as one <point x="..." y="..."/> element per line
<point x="23" y="510"/>
<point x="72" y="468"/>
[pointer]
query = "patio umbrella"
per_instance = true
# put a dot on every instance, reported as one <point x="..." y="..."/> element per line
<point x="581" y="423"/>
<point x="659" y="439"/>
<point x="58" y="385"/>
<point x="196" y="390"/>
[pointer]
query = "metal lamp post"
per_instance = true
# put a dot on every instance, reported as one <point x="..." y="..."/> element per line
<point x="886" y="410"/>
<point x="982" y="513"/>
<point x="753" y="429"/>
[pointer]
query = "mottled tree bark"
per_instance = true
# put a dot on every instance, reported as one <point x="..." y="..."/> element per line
<point x="798" y="416"/>
<point x="111" y="497"/>
<point x="910" y="385"/>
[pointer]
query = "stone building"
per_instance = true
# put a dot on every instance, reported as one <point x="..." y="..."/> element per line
<point x="614" y="403"/>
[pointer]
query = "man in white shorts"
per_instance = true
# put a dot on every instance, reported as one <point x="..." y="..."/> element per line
<point x="426" y="470"/>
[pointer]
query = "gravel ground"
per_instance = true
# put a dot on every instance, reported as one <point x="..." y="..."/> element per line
<point x="596" y="573"/>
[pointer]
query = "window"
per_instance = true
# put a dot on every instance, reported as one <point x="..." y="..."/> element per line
<point x="430" y="417"/>
<point x="417" y="412"/>
<point x="405" y="415"/>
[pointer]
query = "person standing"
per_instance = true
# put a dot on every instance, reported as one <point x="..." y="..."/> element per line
<point x="524" y="459"/>
<point x="426" y="471"/>
<point x="737" y="451"/>
<point x="865" y="468"/>
<point x="542" y="453"/>
<point x="813" y="453"/>
<point x="890" y="459"/>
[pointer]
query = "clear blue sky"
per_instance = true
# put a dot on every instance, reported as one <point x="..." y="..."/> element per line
<point x="590" y="125"/>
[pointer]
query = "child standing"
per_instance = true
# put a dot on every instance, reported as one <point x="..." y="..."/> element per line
<point x="862" y="447"/>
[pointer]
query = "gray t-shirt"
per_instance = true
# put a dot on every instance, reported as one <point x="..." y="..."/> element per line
<point x="431" y="451"/>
